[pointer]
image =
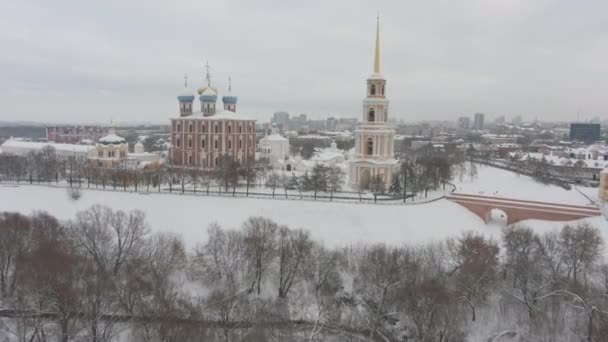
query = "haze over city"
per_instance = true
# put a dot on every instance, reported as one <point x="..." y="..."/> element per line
<point x="66" y="61"/>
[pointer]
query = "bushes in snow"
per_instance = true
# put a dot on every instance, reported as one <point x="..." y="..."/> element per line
<point x="103" y="271"/>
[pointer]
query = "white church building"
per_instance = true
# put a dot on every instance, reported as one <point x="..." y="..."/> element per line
<point x="275" y="148"/>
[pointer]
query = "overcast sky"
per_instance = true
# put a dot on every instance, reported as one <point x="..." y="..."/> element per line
<point x="89" y="61"/>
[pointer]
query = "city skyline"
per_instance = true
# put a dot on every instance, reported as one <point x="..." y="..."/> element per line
<point x="89" y="63"/>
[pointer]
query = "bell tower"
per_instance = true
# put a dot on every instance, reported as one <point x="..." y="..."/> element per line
<point x="375" y="104"/>
<point x="374" y="140"/>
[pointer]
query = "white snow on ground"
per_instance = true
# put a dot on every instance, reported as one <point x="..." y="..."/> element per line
<point x="336" y="224"/>
<point x="491" y="181"/>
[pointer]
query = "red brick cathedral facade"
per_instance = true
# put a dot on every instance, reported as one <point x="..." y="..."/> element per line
<point x="201" y="139"/>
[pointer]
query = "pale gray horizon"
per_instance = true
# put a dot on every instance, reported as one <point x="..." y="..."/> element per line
<point x="78" y="61"/>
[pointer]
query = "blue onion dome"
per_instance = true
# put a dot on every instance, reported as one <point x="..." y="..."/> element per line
<point x="185" y="97"/>
<point x="229" y="99"/>
<point x="208" y="94"/>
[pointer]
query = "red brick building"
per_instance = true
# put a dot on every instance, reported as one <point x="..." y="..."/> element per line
<point x="200" y="139"/>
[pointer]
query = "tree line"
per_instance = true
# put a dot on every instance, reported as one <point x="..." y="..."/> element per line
<point x="104" y="275"/>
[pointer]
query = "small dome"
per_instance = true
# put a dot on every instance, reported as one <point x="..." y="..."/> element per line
<point x="138" y="148"/>
<point x="207" y="90"/>
<point x="185" y="96"/>
<point x="208" y="98"/>
<point x="229" y="99"/>
<point x="208" y="95"/>
<point x="112" y="139"/>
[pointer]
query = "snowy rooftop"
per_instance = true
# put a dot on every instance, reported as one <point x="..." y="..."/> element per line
<point x="274" y="137"/>
<point x="11" y="145"/>
<point x="113" y="139"/>
<point x="564" y="161"/>
<point x="327" y="155"/>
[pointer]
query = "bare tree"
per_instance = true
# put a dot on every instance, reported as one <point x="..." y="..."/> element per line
<point x="109" y="237"/>
<point x="14" y="243"/>
<point x="377" y="186"/>
<point x="249" y="173"/>
<point x="475" y="268"/>
<point x="293" y="250"/>
<point x="260" y="245"/>
<point x="163" y="257"/>
<point x="380" y="273"/>
<point x="581" y="246"/>
<point x="273" y="181"/>
<point x="220" y="260"/>
<point x="335" y="180"/>
<point x="524" y="268"/>
<point x="55" y="269"/>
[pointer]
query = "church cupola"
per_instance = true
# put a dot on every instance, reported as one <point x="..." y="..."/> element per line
<point x="229" y="100"/>
<point x="208" y="96"/>
<point x="185" y="99"/>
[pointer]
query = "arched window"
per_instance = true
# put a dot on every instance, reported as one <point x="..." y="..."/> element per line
<point x="203" y="143"/>
<point x="370" y="146"/>
<point x="190" y="128"/>
<point x="203" y="128"/>
<point x="240" y="144"/>
<point x="177" y="142"/>
<point x="229" y="129"/>
<point x="240" y="129"/>
<point x="382" y="90"/>
<point x="190" y="160"/>
<point x="229" y="144"/>
<point x="215" y="144"/>
<point x="372" y="115"/>
<point x="189" y="142"/>
<point x="178" y="127"/>
<point x="373" y="89"/>
<point x="216" y="129"/>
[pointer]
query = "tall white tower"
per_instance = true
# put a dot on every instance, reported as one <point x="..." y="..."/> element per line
<point x="374" y="139"/>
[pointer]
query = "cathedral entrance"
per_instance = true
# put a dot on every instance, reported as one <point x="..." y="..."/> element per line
<point x="364" y="179"/>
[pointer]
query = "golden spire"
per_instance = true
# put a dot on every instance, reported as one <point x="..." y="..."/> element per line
<point x="377" y="52"/>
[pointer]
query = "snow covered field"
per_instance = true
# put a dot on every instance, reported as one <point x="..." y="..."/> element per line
<point x="336" y="224"/>
<point x="491" y="181"/>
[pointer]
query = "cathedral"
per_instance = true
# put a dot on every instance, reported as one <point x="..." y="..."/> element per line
<point x="200" y="139"/>
<point x="374" y="139"/>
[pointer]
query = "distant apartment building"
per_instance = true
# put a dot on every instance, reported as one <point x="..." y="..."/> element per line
<point x="75" y="134"/>
<point x="464" y="122"/>
<point x="281" y="119"/>
<point x="346" y="124"/>
<point x="331" y="124"/>
<point x="478" y="121"/>
<point x="585" y="132"/>
<point x="316" y="125"/>
<point x="298" y="123"/>
<point x="517" y="120"/>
